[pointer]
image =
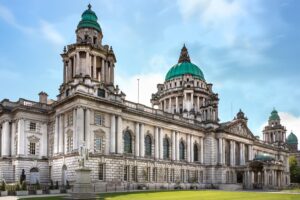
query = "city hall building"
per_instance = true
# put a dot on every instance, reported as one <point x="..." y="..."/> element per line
<point x="179" y="140"/>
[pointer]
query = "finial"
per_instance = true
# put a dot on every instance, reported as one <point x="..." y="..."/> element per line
<point x="89" y="6"/>
<point x="65" y="49"/>
<point x="184" y="55"/>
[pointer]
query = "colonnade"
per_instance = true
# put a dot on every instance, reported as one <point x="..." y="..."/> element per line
<point x="94" y="66"/>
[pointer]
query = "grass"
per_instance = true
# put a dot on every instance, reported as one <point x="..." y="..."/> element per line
<point x="191" y="195"/>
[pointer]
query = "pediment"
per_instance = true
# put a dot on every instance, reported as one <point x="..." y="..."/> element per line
<point x="239" y="128"/>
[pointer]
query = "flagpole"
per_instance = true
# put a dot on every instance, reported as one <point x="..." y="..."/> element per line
<point x="138" y="90"/>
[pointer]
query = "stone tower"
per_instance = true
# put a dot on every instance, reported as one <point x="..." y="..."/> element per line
<point x="274" y="132"/>
<point x="88" y="65"/>
<point x="292" y="142"/>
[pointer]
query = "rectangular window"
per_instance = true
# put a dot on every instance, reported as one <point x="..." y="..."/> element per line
<point x="188" y="176"/>
<point x="134" y="174"/>
<point x="172" y="178"/>
<point x="99" y="119"/>
<point x="32" y="126"/>
<point x="32" y="148"/>
<point x="98" y="144"/>
<point x="70" y="119"/>
<point x="196" y="176"/>
<point x="102" y="171"/>
<point x="182" y="179"/>
<point x="69" y="143"/>
<point x="154" y="174"/>
<point x="148" y="174"/>
<point x="126" y="173"/>
<point x="166" y="175"/>
<point x="201" y="176"/>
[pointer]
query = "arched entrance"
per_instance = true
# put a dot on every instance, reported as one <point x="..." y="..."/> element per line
<point x="64" y="175"/>
<point x="34" y="175"/>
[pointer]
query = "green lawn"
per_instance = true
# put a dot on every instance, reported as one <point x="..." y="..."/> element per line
<point x="193" y="195"/>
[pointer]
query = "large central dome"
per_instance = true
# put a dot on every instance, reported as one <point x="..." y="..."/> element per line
<point x="184" y="67"/>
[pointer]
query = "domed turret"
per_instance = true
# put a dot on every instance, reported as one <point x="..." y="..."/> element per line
<point x="292" y="142"/>
<point x="89" y="20"/>
<point x="274" y="115"/>
<point x="184" y="66"/>
<point x="185" y="92"/>
<point x="274" y="132"/>
<point x="88" y="29"/>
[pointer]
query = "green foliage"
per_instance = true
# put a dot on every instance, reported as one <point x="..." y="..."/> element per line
<point x="51" y="185"/>
<point x="294" y="170"/>
<point x="38" y="185"/>
<point x="18" y="186"/>
<point x="56" y="185"/>
<point x="24" y="185"/>
<point x="3" y="186"/>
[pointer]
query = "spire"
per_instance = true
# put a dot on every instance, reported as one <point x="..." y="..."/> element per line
<point x="184" y="55"/>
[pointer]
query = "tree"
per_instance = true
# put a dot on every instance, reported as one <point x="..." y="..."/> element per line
<point x="294" y="170"/>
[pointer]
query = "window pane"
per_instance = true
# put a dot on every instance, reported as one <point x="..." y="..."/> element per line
<point x="127" y="143"/>
<point x="166" y="148"/>
<point x="148" y="145"/>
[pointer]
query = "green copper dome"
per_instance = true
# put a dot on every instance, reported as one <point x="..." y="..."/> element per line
<point x="89" y="20"/>
<point x="184" y="66"/>
<point x="292" y="139"/>
<point x="274" y="115"/>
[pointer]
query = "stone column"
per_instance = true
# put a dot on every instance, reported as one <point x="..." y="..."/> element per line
<point x="192" y="149"/>
<point x="69" y="74"/>
<point x="192" y="100"/>
<point x="88" y="141"/>
<point x="177" y="146"/>
<point x="77" y="69"/>
<point x="265" y="178"/>
<point x="198" y="104"/>
<point x="176" y="102"/>
<point x="80" y="126"/>
<point x="61" y="134"/>
<point x="5" y="139"/>
<point x="161" y="148"/>
<point x="113" y="134"/>
<point x="241" y="154"/>
<point x="13" y="134"/>
<point x="170" y="105"/>
<point x="137" y="139"/>
<point x="188" y="148"/>
<point x="56" y="132"/>
<point x="75" y="134"/>
<point x="94" y="67"/>
<point x="21" y="138"/>
<point x="223" y="151"/>
<point x="173" y="145"/>
<point x="156" y="143"/>
<point x="231" y="153"/>
<point x="220" y="153"/>
<point x="120" y="136"/>
<point x="142" y="140"/>
<point x="202" y="150"/>
<point x="103" y="74"/>
<point x="87" y="70"/>
<point x="44" y="142"/>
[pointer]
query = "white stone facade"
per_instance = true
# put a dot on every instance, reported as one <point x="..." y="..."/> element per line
<point x="181" y="147"/>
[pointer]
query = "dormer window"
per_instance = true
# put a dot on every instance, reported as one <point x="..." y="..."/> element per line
<point x="101" y="93"/>
<point x="95" y="40"/>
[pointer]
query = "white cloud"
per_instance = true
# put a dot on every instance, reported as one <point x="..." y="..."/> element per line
<point x="50" y="33"/>
<point x="148" y="82"/>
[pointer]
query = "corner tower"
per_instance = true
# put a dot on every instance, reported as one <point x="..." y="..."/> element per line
<point x="274" y="132"/>
<point x="185" y="92"/>
<point x="88" y="65"/>
<point x="292" y="142"/>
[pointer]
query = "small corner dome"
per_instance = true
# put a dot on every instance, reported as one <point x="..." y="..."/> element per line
<point x="184" y="67"/>
<point x="89" y="20"/>
<point x="292" y="139"/>
<point x="274" y="115"/>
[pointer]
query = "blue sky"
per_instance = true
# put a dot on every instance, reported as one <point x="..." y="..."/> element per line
<point x="249" y="50"/>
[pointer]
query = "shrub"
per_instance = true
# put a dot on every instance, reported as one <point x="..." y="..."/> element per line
<point x="38" y="185"/>
<point x="51" y="185"/>
<point x="3" y="185"/>
<point x="18" y="187"/>
<point x="68" y="186"/>
<point x="56" y="185"/>
<point x="24" y="185"/>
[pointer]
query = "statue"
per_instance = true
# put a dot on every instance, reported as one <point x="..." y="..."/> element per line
<point x="23" y="176"/>
<point x="83" y="155"/>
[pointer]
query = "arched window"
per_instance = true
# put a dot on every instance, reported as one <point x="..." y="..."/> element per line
<point x="166" y="148"/>
<point x="34" y="175"/>
<point x="127" y="142"/>
<point x="196" y="158"/>
<point x="148" y="146"/>
<point x="181" y="151"/>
